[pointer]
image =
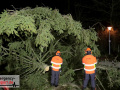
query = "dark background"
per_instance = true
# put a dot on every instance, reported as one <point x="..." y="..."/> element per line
<point x="87" y="11"/>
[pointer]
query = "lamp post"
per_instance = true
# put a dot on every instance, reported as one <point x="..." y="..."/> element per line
<point x="109" y="28"/>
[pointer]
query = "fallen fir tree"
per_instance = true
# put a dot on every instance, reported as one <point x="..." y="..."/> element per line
<point x="29" y="39"/>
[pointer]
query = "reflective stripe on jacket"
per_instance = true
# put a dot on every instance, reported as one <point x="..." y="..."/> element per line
<point x="89" y="62"/>
<point x="56" y="63"/>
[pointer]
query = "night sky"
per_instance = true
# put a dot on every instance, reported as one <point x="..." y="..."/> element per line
<point x="64" y="7"/>
<point x="18" y="4"/>
<point x="88" y="12"/>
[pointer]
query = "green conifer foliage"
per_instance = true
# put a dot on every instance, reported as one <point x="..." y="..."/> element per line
<point x="34" y="35"/>
<point x="12" y="24"/>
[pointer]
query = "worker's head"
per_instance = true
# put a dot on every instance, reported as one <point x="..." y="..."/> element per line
<point x="58" y="53"/>
<point x="88" y="51"/>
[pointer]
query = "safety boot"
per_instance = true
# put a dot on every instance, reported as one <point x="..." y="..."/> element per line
<point x="83" y="88"/>
<point x="56" y="85"/>
<point x="93" y="88"/>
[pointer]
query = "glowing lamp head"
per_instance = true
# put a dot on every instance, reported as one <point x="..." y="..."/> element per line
<point x="109" y="28"/>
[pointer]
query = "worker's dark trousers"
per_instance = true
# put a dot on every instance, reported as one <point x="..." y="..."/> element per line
<point x="87" y="76"/>
<point x="55" y="77"/>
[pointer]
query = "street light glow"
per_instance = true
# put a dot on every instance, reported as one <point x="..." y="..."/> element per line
<point x="109" y="28"/>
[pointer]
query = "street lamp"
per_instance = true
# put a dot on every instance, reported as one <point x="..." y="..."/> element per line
<point x="109" y="28"/>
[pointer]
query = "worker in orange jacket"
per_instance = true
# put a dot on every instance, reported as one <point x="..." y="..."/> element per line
<point x="89" y="62"/>
<point x="56" y="67"/>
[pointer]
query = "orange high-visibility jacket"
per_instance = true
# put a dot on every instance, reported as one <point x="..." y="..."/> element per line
<point x="56" y="63"/>
<point x="89" y="62"/>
